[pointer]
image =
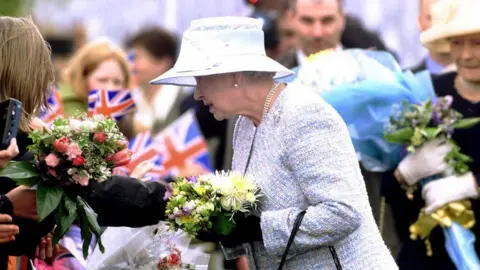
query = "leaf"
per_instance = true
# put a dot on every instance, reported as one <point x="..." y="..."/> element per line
<point x="401" y="136"/>
<point x="90" y="215"/>
<point x="432" y="133"/>
<point x="223" y="225"/>
<point x="48" y="198"/>
<point x="466" y="123"/>
<point x="20" y="170"/>
<point x="65" y="218"/>
<point x="89" y="225"/>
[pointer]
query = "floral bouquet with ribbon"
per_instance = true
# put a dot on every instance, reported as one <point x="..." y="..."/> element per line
<point x="149" y="248"/>
<point x="209" y="202"/>
<point x="415" y="124"/>
<point x="76" y="152"/>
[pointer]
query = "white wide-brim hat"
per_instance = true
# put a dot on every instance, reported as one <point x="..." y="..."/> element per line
<point x="221" y="45"/>
<point x="451" y="18"/>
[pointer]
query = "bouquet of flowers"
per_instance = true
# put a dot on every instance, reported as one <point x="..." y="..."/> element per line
<point x="209" y="202"/>
<point x="415" y="124"/>
<point x="149" y="248"/>
<point x="74" y="153"/>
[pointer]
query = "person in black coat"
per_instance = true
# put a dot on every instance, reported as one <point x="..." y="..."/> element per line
<point x="464" y="88"/>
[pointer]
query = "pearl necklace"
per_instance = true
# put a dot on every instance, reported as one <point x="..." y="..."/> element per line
<point x="270" y="94"/>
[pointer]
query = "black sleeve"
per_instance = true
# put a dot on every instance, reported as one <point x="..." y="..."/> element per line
<point x="124" y="201"/>
<point x="405" y="211"/>
<point x="30" y="231"/>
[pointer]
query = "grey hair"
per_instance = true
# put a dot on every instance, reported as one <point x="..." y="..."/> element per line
<point x="258" y="74"/>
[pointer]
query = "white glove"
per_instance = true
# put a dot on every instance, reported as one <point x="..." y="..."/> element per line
<point x="449" y="189"/>
<point x="426" y="161"/>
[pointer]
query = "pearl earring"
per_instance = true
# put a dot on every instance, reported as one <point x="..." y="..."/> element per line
<point x="236" y="85"/>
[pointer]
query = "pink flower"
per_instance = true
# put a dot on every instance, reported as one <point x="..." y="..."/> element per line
<point x="52" y="160"/>
<point x="78" y="161"/>
<point x="61" y="145"/>
<point x="122" y="144"/>
<point x="73" y="151"/>
<point x="100" y="137"/>
<point x="81" y="178"/>
<point x="120" y="158"/>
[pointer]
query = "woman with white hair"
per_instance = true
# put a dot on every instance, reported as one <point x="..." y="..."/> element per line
<point x="292" y="143"/>
<point x="456" y="31"/>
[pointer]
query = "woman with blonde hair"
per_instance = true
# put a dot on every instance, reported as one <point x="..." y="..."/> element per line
<point x="97" y="65"/>
<point x="27" y="74"/>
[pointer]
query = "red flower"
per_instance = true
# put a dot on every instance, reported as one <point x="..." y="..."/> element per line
<point x="61" y="145"/>
<point x="78" y="161"/>
<point x="174" y="260"/>
<point x="120" y="158"/>
<point x="100" y="137"/>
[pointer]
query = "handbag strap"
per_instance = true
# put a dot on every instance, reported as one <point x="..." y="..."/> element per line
<point x="296" y="227"/>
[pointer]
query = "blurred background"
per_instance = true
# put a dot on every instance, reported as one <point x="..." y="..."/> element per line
<point x="86" y="20"/>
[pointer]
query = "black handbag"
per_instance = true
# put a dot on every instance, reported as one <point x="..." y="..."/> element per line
<point x="296" y="226"/>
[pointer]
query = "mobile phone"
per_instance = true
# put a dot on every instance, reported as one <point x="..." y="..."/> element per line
<point x="10" y="111"/>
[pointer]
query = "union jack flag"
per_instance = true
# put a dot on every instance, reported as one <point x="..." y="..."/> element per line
<point x="112" y="103"/>
<point x="55" y="107"/>
<point x="143" y="149"/>
<point x="180" y="144"/>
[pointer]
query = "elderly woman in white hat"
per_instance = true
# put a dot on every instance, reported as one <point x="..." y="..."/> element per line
<point x="293" y="144"/>
<point x="456" y="31"/>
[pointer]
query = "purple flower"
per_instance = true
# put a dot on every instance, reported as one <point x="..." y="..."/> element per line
<point x="167" y="195"/>
<point x="448" y="101"/>
<point x="436" y="118"/>
<point x="186" y="211"/>
<point x="192" y="179"/>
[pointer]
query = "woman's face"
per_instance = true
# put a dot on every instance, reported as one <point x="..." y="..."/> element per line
<point x="108" y="75"/>
<point x="465" y="52"/>
<point x="219" y="94"/>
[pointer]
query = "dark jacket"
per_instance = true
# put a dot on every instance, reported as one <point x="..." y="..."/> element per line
<point x="119" y="201"/>
<point x="413" y="254"/>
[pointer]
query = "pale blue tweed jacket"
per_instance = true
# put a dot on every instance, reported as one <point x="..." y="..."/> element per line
<point x="303" y="159"/>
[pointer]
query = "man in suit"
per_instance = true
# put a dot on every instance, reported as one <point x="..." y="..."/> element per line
<point x="321" y="25"/>
<point x="435" y="62"/>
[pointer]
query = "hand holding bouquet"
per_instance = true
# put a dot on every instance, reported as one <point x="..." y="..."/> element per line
<point x="209" y="203"/>
<point x="68" y="158"/>
<point x="415" y="125"/>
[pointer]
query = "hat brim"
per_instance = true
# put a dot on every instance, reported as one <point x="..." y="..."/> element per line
<point x="229" y="64"/>
<point x="436" y="38"/>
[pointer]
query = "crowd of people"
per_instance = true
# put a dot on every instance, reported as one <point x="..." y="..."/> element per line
<point x="235" y="73"/>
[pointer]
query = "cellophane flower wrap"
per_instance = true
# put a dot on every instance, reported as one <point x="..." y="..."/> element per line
<point x="76" y="152"/>
<point x="210" y="202"/>
<point x="413" y="125"/>
<point x="149" y="248"/>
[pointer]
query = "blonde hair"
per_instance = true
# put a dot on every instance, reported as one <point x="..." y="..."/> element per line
<point x="26" y="69"/>
<point x="87" y="59"/>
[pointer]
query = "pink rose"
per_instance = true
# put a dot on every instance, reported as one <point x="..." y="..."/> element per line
<point x="120" y="158"/>
<point x="100" y="137"/>
<point x="122" y="144"/>
<point x="73" y="151"/>
<point x="81" y="178"/>
<point x="52" y="160"/>
<point x="61" y="145"/>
